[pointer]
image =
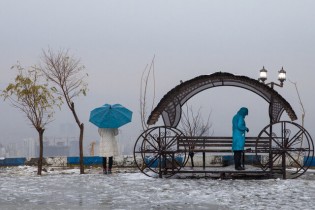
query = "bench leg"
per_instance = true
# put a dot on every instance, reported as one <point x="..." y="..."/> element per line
<point x="222" y="175"/>
<point x="204" y="160"/>
<point x="173" y="162"/>
<point x="191" y="155"/>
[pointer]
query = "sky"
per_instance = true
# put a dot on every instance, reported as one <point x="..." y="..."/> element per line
<point x="116" y="39"/>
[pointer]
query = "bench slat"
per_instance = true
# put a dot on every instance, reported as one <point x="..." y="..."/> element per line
<point x="224" y="151"/>
<point x="223" y="144"/>
<point x="215" y="137"/>
<point x="220" y="142"/>
<point x="215" y="144"/>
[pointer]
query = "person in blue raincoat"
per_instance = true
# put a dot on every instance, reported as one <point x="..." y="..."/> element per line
<point x="239" y="129"/>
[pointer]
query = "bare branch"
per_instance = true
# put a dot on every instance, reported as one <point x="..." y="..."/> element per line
<point x="300" y="101"/>
<point x="144" y="85"/>
<point x="66" y="73"/>
<point x="192" y="123"/>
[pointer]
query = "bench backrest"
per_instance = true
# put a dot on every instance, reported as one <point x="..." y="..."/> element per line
<point x="220" y="144"/>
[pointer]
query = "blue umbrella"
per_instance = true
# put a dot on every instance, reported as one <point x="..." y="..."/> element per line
<point x="110" y="116"/>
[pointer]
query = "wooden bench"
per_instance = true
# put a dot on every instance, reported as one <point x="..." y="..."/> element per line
<point x="220" y="145"/>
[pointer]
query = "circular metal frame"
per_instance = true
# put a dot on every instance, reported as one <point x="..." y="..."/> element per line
<point x="291" y="151"/>
<point x="157" y="148"/>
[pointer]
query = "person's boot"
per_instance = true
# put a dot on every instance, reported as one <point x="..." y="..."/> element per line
<point x="237" y="160"/>
<point x="110" y="165"/>
<point x="242" y="162"/>
<point x="104" y="171"/>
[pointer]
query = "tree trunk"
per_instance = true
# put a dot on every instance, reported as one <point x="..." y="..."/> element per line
<point x="41" y="147"/>
<point x="81" y="148"/>
<point x="191" y="155"/>
<point x="81" y="126"/>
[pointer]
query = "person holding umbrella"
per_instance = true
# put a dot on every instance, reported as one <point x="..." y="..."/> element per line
<point x="108" y="147"/>
<point x="108" y="118"/>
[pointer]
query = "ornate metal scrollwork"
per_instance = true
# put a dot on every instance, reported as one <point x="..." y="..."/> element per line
<point x="170" y="105"/>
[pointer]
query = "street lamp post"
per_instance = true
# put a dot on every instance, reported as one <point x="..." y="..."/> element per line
<point x="281" y="78"/>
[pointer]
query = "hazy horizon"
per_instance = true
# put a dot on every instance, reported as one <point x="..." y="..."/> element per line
<point x="115" y="40"/>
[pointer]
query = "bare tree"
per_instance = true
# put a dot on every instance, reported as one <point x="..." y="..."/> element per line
<point x="300" y="101"/>
<point x="192" y="124"/>
<point x="66" y="72"/>
<point x="147" y="74"/>
<point x="30" y="94"/>
<point x="302" y="110"/>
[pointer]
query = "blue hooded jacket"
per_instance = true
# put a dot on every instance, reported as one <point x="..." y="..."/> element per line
<point x="239" y="128"/>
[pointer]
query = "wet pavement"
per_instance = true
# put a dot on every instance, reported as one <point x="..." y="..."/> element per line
<point x="70" y="190"/>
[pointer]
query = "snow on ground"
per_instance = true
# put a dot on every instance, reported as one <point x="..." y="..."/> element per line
<point x="21" y="188"/>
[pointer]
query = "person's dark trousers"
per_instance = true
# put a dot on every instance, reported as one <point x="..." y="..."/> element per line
<point x="237" y="159"/>
<point x="110" y="164"/>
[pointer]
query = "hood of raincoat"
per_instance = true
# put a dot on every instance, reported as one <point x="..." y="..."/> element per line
<point x="243" y="111"/>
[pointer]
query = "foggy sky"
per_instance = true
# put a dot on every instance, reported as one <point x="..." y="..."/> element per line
<point x="116" y="39"/>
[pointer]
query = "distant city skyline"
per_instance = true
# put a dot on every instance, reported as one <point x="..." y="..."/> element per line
<point x="53" y="147"/>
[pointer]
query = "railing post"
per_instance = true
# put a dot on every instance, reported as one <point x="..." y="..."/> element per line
<point x="173" y="162"/>
<point x="270" y="131"/>
<point x="204" y="154"/>
<point x="285" y="144"/>
<point x="160" y="159"/>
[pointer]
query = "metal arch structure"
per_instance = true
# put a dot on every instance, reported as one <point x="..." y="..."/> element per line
<point x="170" y="106"/>
<point x="279" y="144"/>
